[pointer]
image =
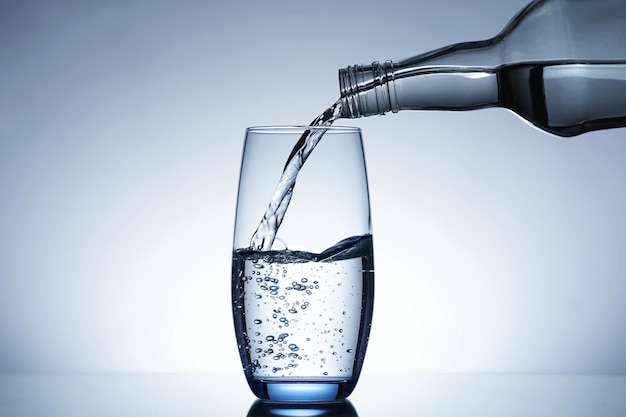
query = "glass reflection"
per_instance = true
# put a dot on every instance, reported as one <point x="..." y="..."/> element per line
<point x="262" y="408"/>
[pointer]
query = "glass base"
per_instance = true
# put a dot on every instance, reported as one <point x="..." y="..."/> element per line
<point x="303" y="391"/>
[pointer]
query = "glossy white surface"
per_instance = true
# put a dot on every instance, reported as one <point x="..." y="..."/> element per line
<point x="397" y="395"/>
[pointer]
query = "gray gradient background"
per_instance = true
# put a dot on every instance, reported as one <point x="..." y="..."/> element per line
<point x="498" y="247"/>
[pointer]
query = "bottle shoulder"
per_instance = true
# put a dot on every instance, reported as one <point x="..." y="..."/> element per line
<point x="546" y="30"/>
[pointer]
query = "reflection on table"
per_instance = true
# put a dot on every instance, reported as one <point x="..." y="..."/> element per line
<point x="272" y="409"/>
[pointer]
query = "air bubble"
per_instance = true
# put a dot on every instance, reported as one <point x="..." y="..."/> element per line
<point x="293" y="347"/>
<point x="297" y="286"/>
<point x="257" y="321"/>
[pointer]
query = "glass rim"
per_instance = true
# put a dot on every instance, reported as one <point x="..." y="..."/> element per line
<point x="301" y="128"/>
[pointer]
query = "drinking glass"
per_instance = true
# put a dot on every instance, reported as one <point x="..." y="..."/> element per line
<point x="302" y="306"/>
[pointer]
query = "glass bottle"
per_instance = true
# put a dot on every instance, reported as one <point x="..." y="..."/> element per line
<point x="560" y="64"/>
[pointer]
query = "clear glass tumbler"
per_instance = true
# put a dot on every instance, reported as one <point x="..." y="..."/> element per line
<point x="303" y="307"/>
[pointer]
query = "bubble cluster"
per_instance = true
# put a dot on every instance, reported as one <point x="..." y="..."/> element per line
<point x="303" y="317"/>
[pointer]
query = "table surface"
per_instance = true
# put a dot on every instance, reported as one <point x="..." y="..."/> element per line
<point x="394" y="394"/>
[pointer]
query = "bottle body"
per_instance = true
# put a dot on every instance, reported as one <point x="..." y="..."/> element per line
<point x="560" y="64"/>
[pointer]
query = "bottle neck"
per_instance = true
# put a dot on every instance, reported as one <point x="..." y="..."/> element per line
<point x="367" y="90"/>
<point x="376" y="89"/>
